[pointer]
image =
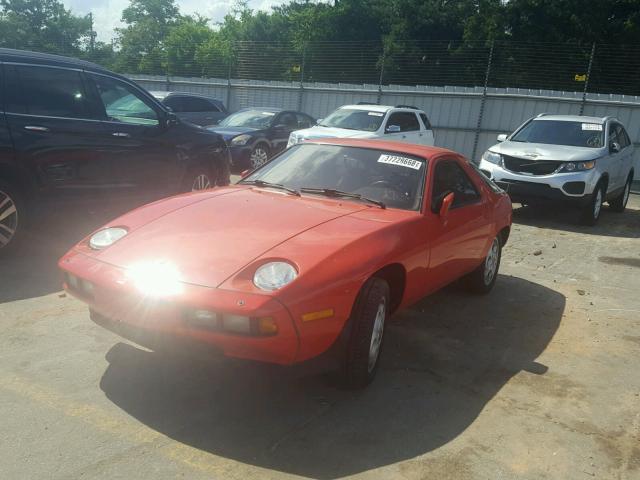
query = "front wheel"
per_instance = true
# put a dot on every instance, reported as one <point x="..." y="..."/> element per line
<point x="198" y="179"/>
<point x="259" y="156"/>
<point x="12" y="217"/>
<point x="368" y="319"/>
<point x="591" y="212"/>
<point x="483" y="278"/>
<point x="619" y="204"/>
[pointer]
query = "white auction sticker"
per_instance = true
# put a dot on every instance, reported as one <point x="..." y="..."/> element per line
<point x="375" y="114"/>
<point x="592" y="126"/>
<point x="402" y="161"/>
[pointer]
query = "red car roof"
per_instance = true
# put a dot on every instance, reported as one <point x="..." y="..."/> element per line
<point x="412" y="149"/>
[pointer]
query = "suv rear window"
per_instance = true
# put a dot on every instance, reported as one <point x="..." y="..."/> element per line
<point x="46" y="91"/>
<point x="558" y="132"/>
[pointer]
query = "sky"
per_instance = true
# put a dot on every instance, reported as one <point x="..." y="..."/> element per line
<point x="106" y="13"/>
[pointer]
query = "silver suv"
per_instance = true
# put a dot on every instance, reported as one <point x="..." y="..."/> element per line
<point x="581" y="160"/>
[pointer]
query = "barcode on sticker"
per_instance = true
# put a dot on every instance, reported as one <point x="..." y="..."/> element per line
<point x="592" y="126"/>
<point x="402" y="161"/>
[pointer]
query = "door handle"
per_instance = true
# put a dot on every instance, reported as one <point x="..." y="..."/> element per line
<point x="121" y="134"/>
<point x="36" y="128"/>
<point x="404" y="136"/>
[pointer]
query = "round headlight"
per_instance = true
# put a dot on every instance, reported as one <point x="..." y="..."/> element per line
<point x="106" y="237"/>
<point x="570" y="167"/>
<point x="274" y="275"/>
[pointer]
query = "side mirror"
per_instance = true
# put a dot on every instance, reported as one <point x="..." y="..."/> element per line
<point x="614" y="147"/>
<point x="446" y="205"/>
<point x="392" y="129"/>
<point x="171" y="119"/>
<point x="245" y="173"/>
<point x="502" y="137"/>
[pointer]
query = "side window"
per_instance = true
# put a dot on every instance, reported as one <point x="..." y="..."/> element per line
<point x="176" y="104"/>
<point x="613" y="133"/>
<point x="288" y="119"/>
<point x="304" y="121"/>
<point x="53" y="92"/>
<point x="407" y="121"/>
<point x="425" y="120"/>
<point x="122" y="103"/>
<point x="623" y="137"/>
<point x="450" y="177"/>
<point x="195" y="104"/>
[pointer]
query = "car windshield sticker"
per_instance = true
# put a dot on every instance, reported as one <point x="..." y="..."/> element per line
<point x="592" y="126"/>
<point x="402" y="161"/>
<point x="375" y="114"/>
<point x="270" y="114"/>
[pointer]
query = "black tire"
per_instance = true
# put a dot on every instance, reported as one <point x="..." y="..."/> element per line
<point x="198" y="178"/>
<point x="359" y="369"/>
<point x="483" y="278"/>
<point x="591" y="212"/>
<point x="619" y="204"/>
<point x="13" y="218"/>
<point x="256" y="159"/>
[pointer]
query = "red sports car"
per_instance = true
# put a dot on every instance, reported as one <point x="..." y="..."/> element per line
<point x="315" y="249"/>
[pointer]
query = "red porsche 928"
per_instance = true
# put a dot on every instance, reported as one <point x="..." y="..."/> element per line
<point x="312" y="250"/>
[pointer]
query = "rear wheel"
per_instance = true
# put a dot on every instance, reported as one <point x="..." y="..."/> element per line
<point x="13" y="214"/>
<point x="370" y="314"/>
<point x="591" y="212"/>
<point x="619" y="204"/>
<point x="483" y="278"/>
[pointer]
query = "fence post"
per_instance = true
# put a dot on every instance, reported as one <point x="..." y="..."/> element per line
<point x="586" y="81"/>
<point x="384" y="57"/>
<point x="229" y="86"/>
<point x="482" y="104"/>
<point x="301" y="92"/>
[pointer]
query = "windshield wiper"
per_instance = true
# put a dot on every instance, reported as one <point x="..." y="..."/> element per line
<point x="262" y="183"/>
<point x="330" y="192"/>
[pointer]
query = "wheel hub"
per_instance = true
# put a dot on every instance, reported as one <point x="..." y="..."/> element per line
<point x="258" y="157"/>
<point x="201" y="182"/>
<point x="8" y="218"/>
<point x="376" y="335"/>
<point x="491" y="262"/>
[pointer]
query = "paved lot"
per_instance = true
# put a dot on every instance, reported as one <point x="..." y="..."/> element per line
<point x="537" y="380"/>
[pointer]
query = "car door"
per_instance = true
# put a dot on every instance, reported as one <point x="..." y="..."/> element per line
<point x="142" y="153"/>
<point x="426" y="135"/>
<point x="281" y="127"/>
<point x="403" y="127"/>
<point x="626" y="157"/>
<point x="55" y="132"/>
<point x="459" y="239"/>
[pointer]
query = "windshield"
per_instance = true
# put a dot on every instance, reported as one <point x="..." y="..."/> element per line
<point x="557" y="132"/>
<point x="249" y="118"/>
<point x="395" y="179"/>
<point x="354" y="120"/>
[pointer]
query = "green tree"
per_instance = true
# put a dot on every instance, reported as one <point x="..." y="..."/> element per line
<point x="42" y="25"/>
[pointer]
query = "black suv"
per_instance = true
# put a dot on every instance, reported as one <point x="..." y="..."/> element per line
<point x="72" y="131"/>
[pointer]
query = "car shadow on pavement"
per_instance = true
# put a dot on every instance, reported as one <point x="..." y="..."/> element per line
<point x="443" y="360"/>
<point x="554" y="217"/>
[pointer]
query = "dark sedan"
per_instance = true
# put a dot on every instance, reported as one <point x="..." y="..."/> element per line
<point x="254" y="135"/>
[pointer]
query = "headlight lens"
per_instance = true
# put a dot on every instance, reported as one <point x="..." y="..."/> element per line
<point x="578" y="166"/>
<point x="293" y="140"/>
<point x="491" y="157"/>
<point x="240" y="139"/>
<point x="274" y="275"/>
<point x="106" y="237"/>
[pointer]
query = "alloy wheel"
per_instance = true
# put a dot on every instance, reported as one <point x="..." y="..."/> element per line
<point x="258" y="157"/>
<point x="376" y="335"/>
<point x="597" y="204"/>
<point x="8" y="219"/>
<point x="625" y="198"/>
<point x="201" y="182"/>
<point x="491" y="262"/>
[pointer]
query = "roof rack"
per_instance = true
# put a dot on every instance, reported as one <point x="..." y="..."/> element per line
<point x="407" y="106"/>
<point x="366" y="103"/>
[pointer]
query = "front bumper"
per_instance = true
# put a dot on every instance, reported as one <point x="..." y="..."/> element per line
<point x="240" y="157"/>
<point x="573" y="187"/>
<point x="113" y="297"/>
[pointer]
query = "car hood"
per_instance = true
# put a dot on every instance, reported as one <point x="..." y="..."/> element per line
<point x="229" y="132"/>
<point x="330" y="132"/>
<point x="210" y="240"/>
<point x="541" y="151"/>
